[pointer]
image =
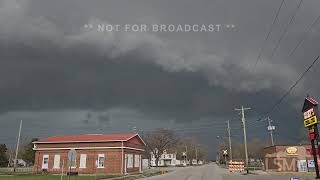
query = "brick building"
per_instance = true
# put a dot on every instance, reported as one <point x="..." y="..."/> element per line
<point x="95" y="154"/>
<point x="288" y="158"/>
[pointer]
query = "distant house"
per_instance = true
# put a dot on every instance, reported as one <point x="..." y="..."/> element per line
<point x="166" y="159"/>
<point x="194" y="162"/>
<point x="95" y="154"/>
<point x="183" y="162"/>
<point x="20" y="163"/>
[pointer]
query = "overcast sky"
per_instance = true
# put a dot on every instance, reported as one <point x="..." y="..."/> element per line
<point x="60" y="75"/>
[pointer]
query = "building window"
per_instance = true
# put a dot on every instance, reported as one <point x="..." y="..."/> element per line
<point x="136" y="160"/>
<point x="45" y="161"/>
<point x="83" y="160"/>
<point x="101" y="159"/>
<point x="169" y="155"/>
<point x="130" y="161"/>
<point x="56" y="161"/>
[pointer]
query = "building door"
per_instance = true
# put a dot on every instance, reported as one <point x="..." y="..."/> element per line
<point x="45" y="161"/>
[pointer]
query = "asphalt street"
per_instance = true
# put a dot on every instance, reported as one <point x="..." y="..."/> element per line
<point x="214" y="172"/>
<point x="205" y="172"/>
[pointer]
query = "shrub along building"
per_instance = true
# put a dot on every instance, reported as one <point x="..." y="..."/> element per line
<point x="95" y="154"/>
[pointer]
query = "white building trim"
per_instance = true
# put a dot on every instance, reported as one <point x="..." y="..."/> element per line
<point x="135" y="136"/>
<point x="61" y="142"/>
<point x="67" y="148"/>
<point x="122" y="160"/>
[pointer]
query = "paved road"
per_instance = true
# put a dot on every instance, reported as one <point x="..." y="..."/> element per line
<point x="265" y="177"/>
<point x="214" y="172"/>
<point x="206" y="172"/>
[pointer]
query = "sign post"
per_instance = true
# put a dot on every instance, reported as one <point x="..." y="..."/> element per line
<point x="225" y="153"/>
<point x="72" y="155"/>
<point x="184" y="154"/>
<point x="310" y="116"/>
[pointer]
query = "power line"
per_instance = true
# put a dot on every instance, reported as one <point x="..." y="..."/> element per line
<point x="191" y="129"/>
<point x="195" y="128"/>
<point x="304" y="38"/>
<point x="268" y="35"/>
<point x="291" y="88"/>
<point x="286" y="29"/>
<point x="254" y="124"/>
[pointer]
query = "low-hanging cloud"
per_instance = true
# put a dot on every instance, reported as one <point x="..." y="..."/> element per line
<point x="222" y="71"/>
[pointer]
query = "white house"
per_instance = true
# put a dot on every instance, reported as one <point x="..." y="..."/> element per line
<point x="194" y="162"/>
<point x="166" y="159"/>
<point x="20" y="162"/>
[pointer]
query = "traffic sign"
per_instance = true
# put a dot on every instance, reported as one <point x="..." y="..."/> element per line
<point x="225" y="152"/>
<point x="72" y="154"/>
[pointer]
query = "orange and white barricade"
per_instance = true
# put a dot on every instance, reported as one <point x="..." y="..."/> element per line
<point x="236" y="166"/>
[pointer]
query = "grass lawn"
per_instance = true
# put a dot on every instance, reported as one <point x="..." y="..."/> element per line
<point x="51" y="177"/>
<point x="57" y="177"/>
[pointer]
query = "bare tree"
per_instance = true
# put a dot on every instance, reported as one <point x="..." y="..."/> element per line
<point x="195" y="150"/>
<point x="255" y="150"/>
<point x="159" y="140"/>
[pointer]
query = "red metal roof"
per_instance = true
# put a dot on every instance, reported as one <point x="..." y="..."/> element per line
<point x="87" y="138"/>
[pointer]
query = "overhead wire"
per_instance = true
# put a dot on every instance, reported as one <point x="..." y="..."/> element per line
<point x="268" y="35"/>
<point x="305" y="37"/>
<point x="290" y="89"/>
<point x="285" y="31"/>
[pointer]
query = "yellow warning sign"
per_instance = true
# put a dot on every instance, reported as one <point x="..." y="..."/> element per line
<point x="310" y="121"/>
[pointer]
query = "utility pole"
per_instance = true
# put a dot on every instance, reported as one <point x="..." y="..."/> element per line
<point x="218" y="150"/>
<point x="271" y="129"/>
<point x="230" y="147"/>
<point x="197" y="155"/>
<point x="17" y="148"/>
<point x="243" y="120"/>
<point x="186" y="155"/>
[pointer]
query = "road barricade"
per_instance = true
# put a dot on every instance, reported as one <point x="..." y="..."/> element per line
<point x="236" y="166"/>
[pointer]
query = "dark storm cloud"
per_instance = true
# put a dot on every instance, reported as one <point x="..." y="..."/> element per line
<point x="50" y="62"/>
<point x="43" y="35"/>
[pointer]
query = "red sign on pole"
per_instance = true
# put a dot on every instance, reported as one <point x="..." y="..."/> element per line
<point x="312" y="136"/>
